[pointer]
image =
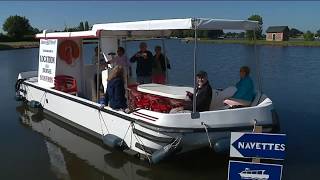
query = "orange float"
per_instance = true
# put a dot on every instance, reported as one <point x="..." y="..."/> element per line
<point x="68" y="51"/>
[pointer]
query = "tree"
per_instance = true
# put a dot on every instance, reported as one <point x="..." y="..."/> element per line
<point x="214" y="34"/>
<point x="308" y="36"/>
<point x="318" y="33"/>
<point x="295" y="32"/>
<point x="86" y="26"/>
<point x="177" y="33"/>
<point x="258" y="32"/>
<point x="81" y="26"/>
<point x="242" y="35"/>
<point x="17" y="27"/>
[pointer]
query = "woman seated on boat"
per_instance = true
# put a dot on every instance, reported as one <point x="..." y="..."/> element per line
<point x="115" y="94"/>
<point x="203" y="95"/>
<point x="245" y="90"/>
<point x="160" y="66"/>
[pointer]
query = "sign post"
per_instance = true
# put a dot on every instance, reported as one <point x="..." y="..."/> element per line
<point x="47" y="62"/>
<point x="256" y="145"/>
<point x="248" y="170"/>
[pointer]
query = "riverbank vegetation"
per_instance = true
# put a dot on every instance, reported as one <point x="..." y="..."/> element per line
<point x="18" y="45"/>
<point x="19" y="33"/>
<point x="263" y="42"/>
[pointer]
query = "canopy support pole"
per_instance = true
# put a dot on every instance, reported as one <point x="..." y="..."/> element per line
<point x="195" y="114"/>
<point x="128" y="69"/>
<point x="257" y="62"/>
<point x="165" y="59"/>
<point x="98" y="71"/>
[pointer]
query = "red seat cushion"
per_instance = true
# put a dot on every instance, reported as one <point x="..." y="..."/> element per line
<point x="66" y="84"/>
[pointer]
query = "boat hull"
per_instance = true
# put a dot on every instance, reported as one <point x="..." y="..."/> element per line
<point x="144" y="131"/>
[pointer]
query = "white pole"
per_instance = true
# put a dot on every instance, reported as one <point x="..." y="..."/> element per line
<point x="165" y="60"/>
<point x="194" y="103"/>
<point x="257" y="62"/>
<point x="98" y="70"/>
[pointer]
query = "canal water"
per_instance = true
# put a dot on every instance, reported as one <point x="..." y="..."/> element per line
<point x="39" y="147"/>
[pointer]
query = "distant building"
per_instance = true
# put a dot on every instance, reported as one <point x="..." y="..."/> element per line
<point x="277" y="33"/>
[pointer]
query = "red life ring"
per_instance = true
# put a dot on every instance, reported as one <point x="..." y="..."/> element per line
<point x="68" y="51"/>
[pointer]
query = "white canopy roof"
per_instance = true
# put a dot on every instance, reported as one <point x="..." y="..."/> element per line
<point x="174" y="24"/>
<point x="79" y="34"/>
<point x="151" y="28"/>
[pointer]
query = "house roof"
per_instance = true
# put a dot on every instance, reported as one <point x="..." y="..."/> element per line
<point x="275" y="29"/>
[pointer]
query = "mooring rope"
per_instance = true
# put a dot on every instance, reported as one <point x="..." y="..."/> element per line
<point x="29" y="92"/>
<point x="205" y="127"/>
<point x="102" y="119"/>
<point x="130" y="125"/>
<point x="176" y="142"/>
<point x="140" y="141"/>
<point x="43" y="95"/>
<point x="101" y="127"/>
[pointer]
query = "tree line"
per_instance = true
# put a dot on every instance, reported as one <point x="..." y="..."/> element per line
<point x="18" y="28"/>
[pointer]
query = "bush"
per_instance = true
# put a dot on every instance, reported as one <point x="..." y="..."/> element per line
<point x="308" y="36"/>
<point x="4" y="38"/>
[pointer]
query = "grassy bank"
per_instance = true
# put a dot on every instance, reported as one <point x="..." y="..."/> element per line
<point x="18" y="45"/>
<point x="264" y="42"/>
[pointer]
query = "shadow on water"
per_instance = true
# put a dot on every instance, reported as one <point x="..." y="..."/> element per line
<point x="74" y="154"/>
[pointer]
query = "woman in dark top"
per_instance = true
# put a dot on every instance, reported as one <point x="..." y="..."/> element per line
<point x="160" y="65"/>
<point x="115" y="94"/>
<point x="203" y="94"/>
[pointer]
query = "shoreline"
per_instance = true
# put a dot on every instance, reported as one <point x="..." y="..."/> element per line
<point x="35" y="44"/>
<point x="264" y="42"/>
<point x="18" y="45"/>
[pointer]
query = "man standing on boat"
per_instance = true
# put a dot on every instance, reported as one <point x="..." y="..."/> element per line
<point x="144" y="61"/>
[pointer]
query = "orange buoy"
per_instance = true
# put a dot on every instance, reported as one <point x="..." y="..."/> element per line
<point x="68" y="51"/>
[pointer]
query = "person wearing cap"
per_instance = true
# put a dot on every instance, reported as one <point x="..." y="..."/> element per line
<point x="144" y="59"/>
<point x="203" y="94"/>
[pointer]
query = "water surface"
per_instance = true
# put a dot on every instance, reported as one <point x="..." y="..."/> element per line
<point x="290" y="77"/>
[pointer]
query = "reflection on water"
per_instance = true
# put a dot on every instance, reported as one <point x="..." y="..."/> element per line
<point x="76" y="155"/>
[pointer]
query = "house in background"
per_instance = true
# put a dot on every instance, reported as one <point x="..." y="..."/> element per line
<point x="277" y="33"/>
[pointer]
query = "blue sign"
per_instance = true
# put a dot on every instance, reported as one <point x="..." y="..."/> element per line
<point x="260" y="145"/>
<point x="254" y="171"/>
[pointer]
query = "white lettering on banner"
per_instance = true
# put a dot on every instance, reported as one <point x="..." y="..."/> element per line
<point x="261" y="146"/>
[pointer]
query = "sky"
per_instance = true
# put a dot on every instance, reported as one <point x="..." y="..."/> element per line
<point x="55" y="15"/>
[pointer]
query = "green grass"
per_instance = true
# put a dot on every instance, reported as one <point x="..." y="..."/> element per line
<point x="18" y="45"/>
<point x="264" y="42"/>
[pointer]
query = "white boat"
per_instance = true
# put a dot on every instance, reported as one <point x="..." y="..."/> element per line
<point x="151" y="134"/>
<point x="254" y="174"/>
